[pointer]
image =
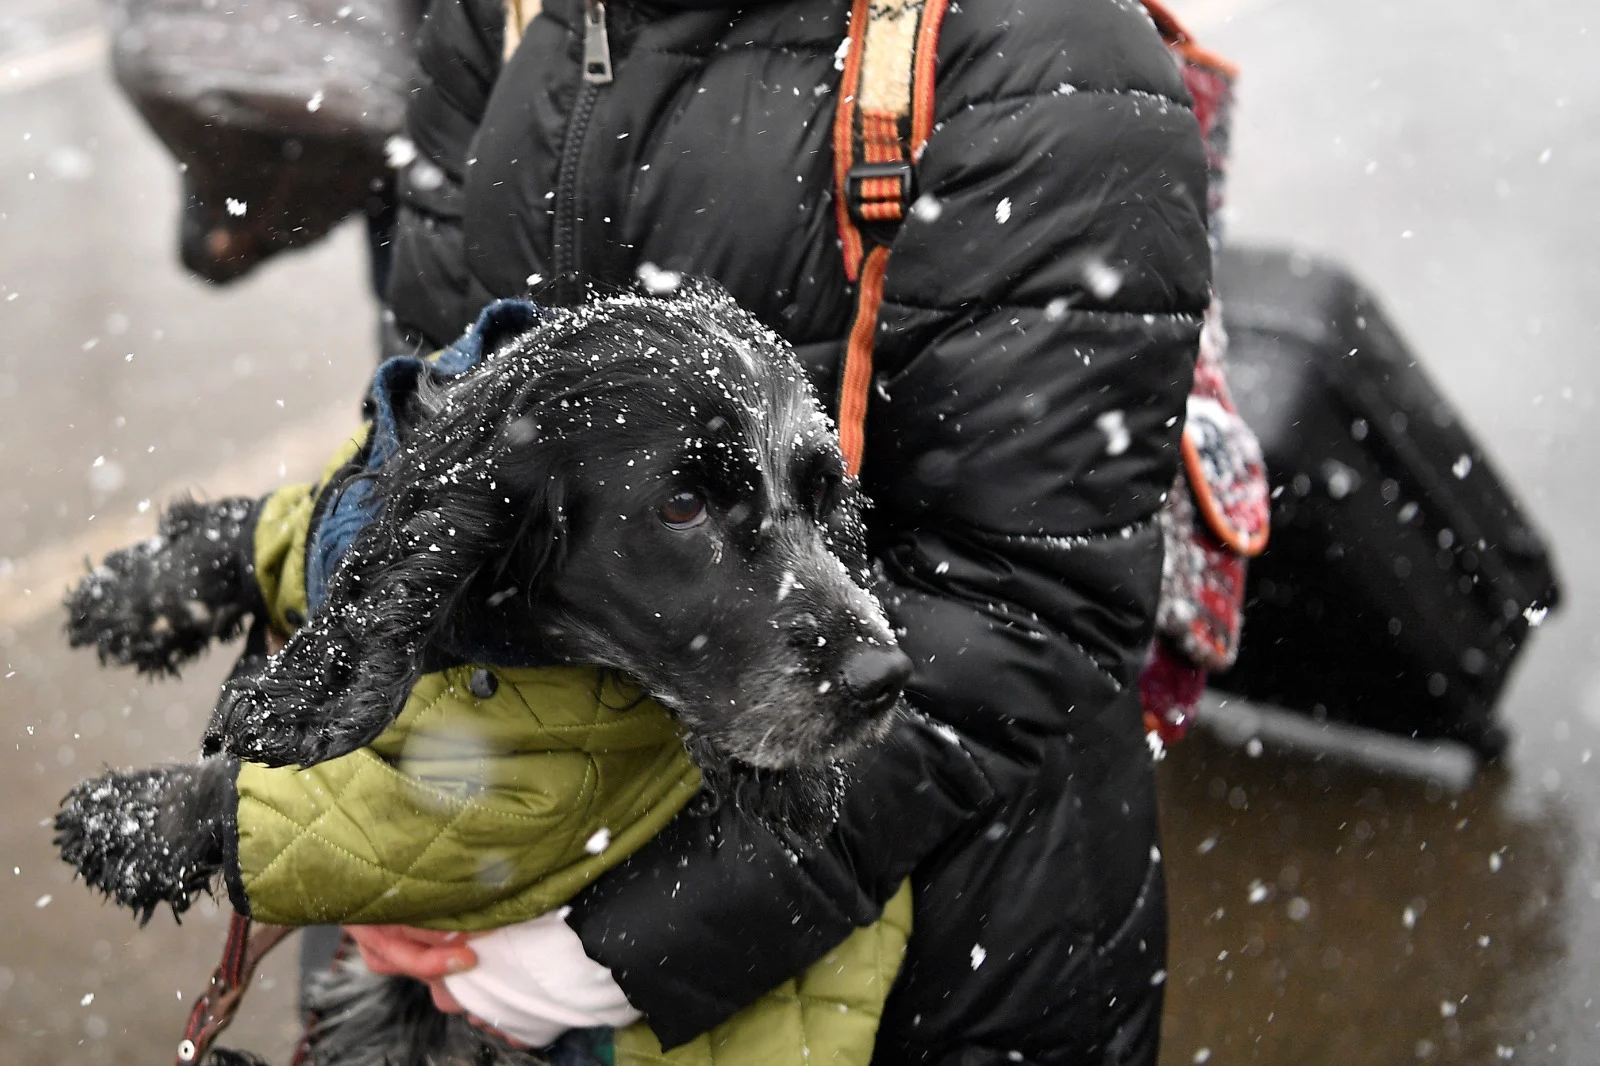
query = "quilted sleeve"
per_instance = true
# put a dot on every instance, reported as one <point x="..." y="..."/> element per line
<point x="471" y="812"/>
<point x="280" y="548"/>
<point x="829" y="1014"/>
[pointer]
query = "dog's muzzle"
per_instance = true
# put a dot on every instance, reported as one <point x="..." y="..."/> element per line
<point x="873" y="678"/>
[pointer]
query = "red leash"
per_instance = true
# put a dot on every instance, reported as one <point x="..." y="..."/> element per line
<point x="214" y="1010"/>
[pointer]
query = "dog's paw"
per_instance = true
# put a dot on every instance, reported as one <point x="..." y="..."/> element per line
<point x="147" y="837"/>
<point x="158" y="604"/>
<point x="124" y="611"/>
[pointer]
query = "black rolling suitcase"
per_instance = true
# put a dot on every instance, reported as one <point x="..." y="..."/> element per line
<point x="1403" y="576"/>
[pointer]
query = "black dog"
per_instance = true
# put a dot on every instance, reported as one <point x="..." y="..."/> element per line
<point x="646" y="484"/>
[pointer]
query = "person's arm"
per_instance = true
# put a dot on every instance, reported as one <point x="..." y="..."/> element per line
<point x="1040" y="333"/>
<point x="459" y="51"/>
<point x="716" y="909"/>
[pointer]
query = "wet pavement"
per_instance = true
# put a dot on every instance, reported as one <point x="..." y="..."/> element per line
<point x="1323" y="913"/>
<point x="1326" y="914"/>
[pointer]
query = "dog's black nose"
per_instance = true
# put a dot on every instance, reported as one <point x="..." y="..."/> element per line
<point x="874" y="677"/>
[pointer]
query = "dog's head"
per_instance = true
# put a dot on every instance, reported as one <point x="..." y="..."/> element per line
<point x="646" y="484"/>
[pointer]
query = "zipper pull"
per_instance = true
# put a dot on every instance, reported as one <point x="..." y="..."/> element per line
<point x="596" y="49"/>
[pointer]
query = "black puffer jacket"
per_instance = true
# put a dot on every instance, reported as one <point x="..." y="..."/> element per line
<point x="1039" y="332"/>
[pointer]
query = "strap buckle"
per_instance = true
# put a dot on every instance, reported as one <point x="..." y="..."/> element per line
<point x="879" y="194"/>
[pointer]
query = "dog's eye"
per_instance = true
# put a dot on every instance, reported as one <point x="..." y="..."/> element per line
<point x="827" y="494"/>
<point x="684" y="510"/>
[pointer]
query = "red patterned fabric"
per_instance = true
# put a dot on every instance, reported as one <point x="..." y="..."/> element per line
<point x="1219" y="510"/>
<point x="1169" y="688"/>
<point x="1217" y="513"/>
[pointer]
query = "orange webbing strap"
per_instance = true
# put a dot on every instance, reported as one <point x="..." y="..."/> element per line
<point x="883" y="121"/>
<point x="884" y="117"/>
<point x="518" y="14"/>
<point x="1182" y="42"/>
<point x="856" y="379"/>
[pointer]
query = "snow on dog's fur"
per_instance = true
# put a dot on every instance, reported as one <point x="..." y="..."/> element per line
<point x="645" y="484"/>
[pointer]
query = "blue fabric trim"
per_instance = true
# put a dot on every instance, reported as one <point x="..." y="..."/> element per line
<point x="396" y="379"/>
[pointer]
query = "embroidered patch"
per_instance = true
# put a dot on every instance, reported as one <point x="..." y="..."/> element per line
<point x="1227" y="475"/>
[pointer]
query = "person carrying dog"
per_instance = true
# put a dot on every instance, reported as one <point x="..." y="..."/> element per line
<point x="456" y="537"/>
<point x="1032" y="352"/>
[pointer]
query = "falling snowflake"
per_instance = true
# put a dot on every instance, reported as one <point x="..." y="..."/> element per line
<point x="1103" y="279"/>
<point x="426" y="176"/>
<point x="600" y="841"/>
<point x="1258" y="892"/>
<point x="841" y="53"/>
<point x="1002" y="210"/>
<point x="1115" y="426"/>
<point x="315" y="103"/>
<point x="978" y="955"/>
<point x="399" y="152"/>
<point x="1535" y="614"/>
<point x="106" y="475"/>
<point x="236" y="208"/>
<point x="1462" y="467"/>
<point x="659" y="282"/>
<point x="927" y="208"/>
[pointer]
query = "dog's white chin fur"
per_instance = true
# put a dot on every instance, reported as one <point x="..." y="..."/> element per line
<point x="806" y="755"/>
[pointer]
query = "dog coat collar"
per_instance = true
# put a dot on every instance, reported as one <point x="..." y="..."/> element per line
<point x="350" y="508"/>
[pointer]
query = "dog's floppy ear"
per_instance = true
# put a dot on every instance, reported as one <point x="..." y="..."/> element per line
<point x="452" y="515"/>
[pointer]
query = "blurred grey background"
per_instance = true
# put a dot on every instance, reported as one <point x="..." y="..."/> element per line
<point x="1323" y="914"/>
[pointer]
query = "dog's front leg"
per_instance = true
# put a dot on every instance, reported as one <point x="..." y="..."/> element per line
<point x="148" y="837"/>
<point x="160" y="603"/>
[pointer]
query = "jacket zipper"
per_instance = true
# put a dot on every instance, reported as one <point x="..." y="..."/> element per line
<point x="596" y="47"/>
<point x="596" y="73"/>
